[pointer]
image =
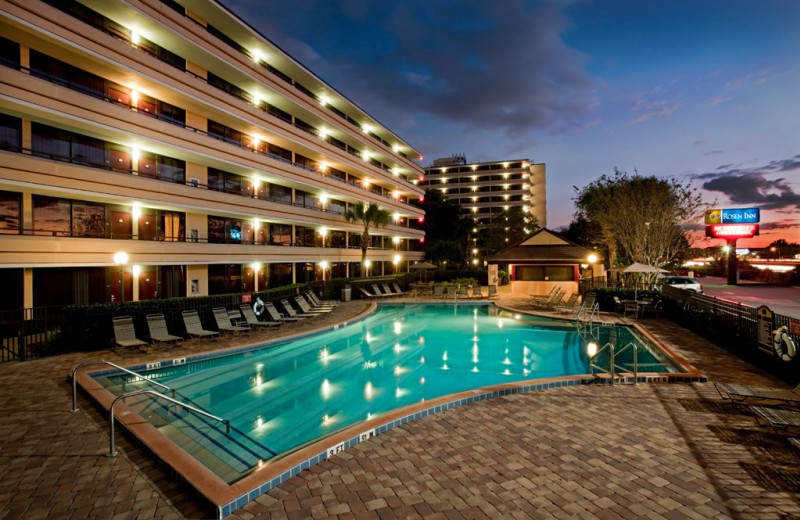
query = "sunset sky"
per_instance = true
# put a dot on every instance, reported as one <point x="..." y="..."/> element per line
<point x="705" y="91"/>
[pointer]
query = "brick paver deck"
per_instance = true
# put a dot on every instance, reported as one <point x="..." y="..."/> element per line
<point x="655" y="451"/>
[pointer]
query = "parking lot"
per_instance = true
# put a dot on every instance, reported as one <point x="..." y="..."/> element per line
<point x="783" y="300"/>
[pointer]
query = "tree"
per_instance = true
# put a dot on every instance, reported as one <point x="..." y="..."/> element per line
<point x="509" y="227"/>
<point x="369" y="215"/>
<point x="641" y="219"/>
<point x="445" y="230"/>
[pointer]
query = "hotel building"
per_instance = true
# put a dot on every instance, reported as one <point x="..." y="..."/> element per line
<point x="174" y="133"/>
<point x="487" y="190"/>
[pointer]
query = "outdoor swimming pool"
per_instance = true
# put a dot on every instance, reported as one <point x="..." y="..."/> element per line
<point x="283" y="396"/>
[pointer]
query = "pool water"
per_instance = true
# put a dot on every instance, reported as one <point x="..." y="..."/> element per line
<point x="281" y="397"/>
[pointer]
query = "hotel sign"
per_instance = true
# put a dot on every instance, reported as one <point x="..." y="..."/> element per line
<point x="733" y="216"/>
<point x="732" y="231"/>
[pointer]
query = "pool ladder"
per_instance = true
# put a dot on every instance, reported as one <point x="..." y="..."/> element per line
<point x="613" y="369"/>
<point x="112" y="451"/>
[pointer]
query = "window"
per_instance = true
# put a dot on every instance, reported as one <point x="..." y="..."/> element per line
<point x="88" y="219"/>
<point x="279" y="193"/>
<point x="10" y="133"/>
<point x="223" y="230"/>
<point x="280" y="234"/>
<point x="537" y="273"/>
<point x="50" y="142"/>
<point x="51" y="216"/>
<point x="10" y="212"/>
<point x="9" y="53"/>
<point x="303" y="236"/>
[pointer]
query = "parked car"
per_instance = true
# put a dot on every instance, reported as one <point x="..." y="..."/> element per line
<point x="682" y="282"/>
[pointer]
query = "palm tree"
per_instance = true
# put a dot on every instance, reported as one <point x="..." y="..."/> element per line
<point x="369" y="215"/>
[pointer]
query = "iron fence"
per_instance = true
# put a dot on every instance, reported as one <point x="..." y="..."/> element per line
<point x="26" y="333"/>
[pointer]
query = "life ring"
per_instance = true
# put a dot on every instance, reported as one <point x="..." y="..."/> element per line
<point x="258" y="307"/>
<point x="783" y="344"/>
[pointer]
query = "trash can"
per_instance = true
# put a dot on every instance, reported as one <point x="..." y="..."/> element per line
<point x="346" y="293"/>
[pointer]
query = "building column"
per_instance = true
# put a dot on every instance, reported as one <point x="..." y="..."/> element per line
<point x="27" y="213"/>
<point x="27" y="136"/>
<point x="27" y="288"/>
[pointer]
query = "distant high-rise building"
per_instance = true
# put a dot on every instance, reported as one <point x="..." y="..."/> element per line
<point x="174" y="133"/>
<point x="487" y="191"/>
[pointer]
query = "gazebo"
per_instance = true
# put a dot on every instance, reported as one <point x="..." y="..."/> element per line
<point x="543" y="260"/>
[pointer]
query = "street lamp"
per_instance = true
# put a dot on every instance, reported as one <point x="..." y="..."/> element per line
<point x="121" y="258"/>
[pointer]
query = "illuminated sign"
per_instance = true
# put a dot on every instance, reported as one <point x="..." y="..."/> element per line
<point x="733" y="216"/>
<point x="732" y="231"/>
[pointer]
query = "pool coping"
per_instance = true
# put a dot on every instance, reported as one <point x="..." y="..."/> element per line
<point x="227" y="498"/>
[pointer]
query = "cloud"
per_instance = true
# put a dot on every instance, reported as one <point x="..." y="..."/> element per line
<point x="752" y="187"/>
<point x="654" y="108"/>
<point x="716" y="100"/>
<point x="712" y="152"/>
<point x="700" y="142"/>
<point x="502" y="64"/>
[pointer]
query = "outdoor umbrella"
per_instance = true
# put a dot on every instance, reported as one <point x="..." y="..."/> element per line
<point x="639" y="269"/>
<point x="424" y="266"/>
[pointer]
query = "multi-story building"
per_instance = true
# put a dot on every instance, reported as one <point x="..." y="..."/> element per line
<point x="172" y="133"/>
<point x="487" y="191"/>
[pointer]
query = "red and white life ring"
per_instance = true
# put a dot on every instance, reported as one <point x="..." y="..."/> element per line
<point x="783" y="344"/>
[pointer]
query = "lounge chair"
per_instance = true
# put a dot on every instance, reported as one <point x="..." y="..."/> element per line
<point x="477" y="292"/>
<point x="314" y="301"/>
<point x="191" y="320"/>
<point x="366" y="293"/>
<point x="438" y="291"/>
<point x="223" y="320"/>
<point x="306" y="309"/>
<point x="492" y="292"/>
<point x="125" y="334"/>
<point x="463" y="292"/>
<point x="543" y="297"/>
<point x="551" y="303"/>
<point x="778" y="418"/>
<point x="377" y="291"/>
<point x="274" y="315"/>
<point x="290" y="312"/>
<point x="157" y="326"/>
<point x="568" y="306"/>
<point x="586" y="307"/>
<point x="388" y="290"/>
<point x="737" y="392"/>
<point x="397" y="289"/>
<point x="252" y="320"/>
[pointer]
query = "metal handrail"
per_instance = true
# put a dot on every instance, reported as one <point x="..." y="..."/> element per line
<point x="112" y="452"/>
<point x="612" y="369"/>
<point x="104" y="362"/>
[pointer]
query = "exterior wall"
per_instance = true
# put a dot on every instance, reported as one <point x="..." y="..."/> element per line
<point x="306" y="153"/>
<point x="541" y="288"/>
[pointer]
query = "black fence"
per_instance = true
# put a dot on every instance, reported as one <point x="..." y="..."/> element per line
<point x="730" y="325"/>
<point x="27" y="333"/>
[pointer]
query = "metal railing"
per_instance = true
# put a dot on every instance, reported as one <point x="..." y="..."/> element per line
<point x="613" y="368"/>
<point x="26" y="333"/>
<point x="104" y="362"/>
<point x="112" y="451"/>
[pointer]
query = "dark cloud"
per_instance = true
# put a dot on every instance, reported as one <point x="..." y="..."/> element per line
<point x="503" y="64"/>
<point x="751" y="186"/>
<point x="791" y="224"/>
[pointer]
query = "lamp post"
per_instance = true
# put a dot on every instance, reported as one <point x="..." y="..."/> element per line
<point x="121" y="258"/>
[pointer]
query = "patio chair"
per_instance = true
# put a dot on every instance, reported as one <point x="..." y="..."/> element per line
<point x="619" y="307"/>
<point x="306" y="309"/>
<point x="765" y="394"/>
<point x="223" y="320"/>
<point x="653" y="308"/>
<point x="125" y="334"/>
<point x="492" y="292"/>
<point x="157" y="326"/>
<point x="779" y="419"/>
<point x="252" y="320"/>
<point x="274" y="315"/>
<point x="631" y="310"/>
<point x="191" y="320"/>
<point x="290" y="312"/>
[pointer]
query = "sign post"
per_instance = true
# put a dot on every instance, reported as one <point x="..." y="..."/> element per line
<point x="766" y="324"/>
<point x="732" y="224"/>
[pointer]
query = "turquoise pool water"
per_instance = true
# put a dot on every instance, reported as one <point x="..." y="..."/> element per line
<point x="281" y="397"/>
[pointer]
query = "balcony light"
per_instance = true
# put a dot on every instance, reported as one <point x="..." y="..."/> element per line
<point x="474" y="209"/>
<point x="414" y="182"/>
<point x="366" y="183"/>
<point x="396" y="194"/>
<point x="323" y="133"/>
<point x="474" y="167"/>
<point x="323" y="100"/>
<point x="505" y="175"/>
<point x="474" y="177"/>
<point x="396" y="149"/>
<point x="505" y="197"/>
<point x="366" y="155"/>
<point x="257" y="57"/>
<point x="505" y="208"/>
<point x="526" y="186"/>
<point x="474" y="199"/>
<point x="444" y="180"/>
<point x="323" y="167"/>
<point x="395" y="240"/>
<point x="136" y="211"/>
<point x="396" y="172"/>
<point x="444" y="170"/>
<point x="444" y="190"/>
<point x="135" y="154"/>
<point x="505" y="165"/>
<point x="505" y="186"/>
<point x="135" y="38"/>
<point x="323" y="199"/>
<point x="396" y="216"/>
<point x="474" y="188"/>
<point x="134" y="97"/>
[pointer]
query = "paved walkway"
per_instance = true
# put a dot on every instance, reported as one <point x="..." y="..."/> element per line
<point x="655" y="451"/>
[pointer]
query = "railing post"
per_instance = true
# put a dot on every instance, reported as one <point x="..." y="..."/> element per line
<point x="635" y="365"/>
<point x="613" y="362"/>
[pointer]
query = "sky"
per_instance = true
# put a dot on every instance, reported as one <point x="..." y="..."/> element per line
<point x="703" y="91"/>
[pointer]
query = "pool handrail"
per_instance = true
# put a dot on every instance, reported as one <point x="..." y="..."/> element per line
<point x="612" y="369"/>
<point x="104" y="362"/>
<point x="112" y="452"/>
